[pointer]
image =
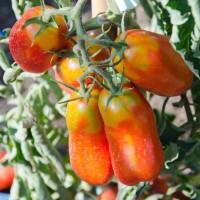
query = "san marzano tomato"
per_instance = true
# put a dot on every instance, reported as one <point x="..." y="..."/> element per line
<point x="150" y="62"/>
<point x="88" y="146"/>
<point x="135" y="149"/>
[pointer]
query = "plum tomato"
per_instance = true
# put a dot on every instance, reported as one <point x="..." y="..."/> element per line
<point x="135" y="149"/>
<point x="88" y="146"/>
<point x="150" y="62"/>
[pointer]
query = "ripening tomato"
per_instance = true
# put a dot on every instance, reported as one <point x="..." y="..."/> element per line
<point x="6" y="174"/>
<point x="32" y="53"/>
<point x="135" y="149"/>
<point x="68" y="70"/>
<point x="109" y="193"/>
<point x="150" y="62"/>
<point x="88" y="146"/>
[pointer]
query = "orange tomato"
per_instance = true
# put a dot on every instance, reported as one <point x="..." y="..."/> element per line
<point x="88" y="146"/>
<point x="135" y="149"/>
<point x="68" y="70"/>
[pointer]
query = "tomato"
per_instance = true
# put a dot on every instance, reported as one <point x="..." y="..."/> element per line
<point x="160" y="186"/>
<point x="68" y="70"/>
<point x="6" y="174"/>
<point x="32" y="54"/>
<point x="88" y="146"/>
<point x="108" y="193"/>
<point x="150" y="62"/>
<point x="135" y="149"/>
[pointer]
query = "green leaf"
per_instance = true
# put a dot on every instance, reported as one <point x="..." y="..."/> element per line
<point x="195" y="7"/>
<point x="196" y="99"/>
<point x="170" y="133"/>
<point x="171" y="156"/>
<point x="5" y="91"/>
<point x="180" y="20"/>
<point x="20" y="6"/>
<point x="11" y="75"/>
<point x="130" y="192"/>
<point x="4" y="63"/>
<point x="147" y="7"/>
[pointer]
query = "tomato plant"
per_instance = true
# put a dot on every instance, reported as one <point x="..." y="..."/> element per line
<point x="88" y="146"/>
<point x="150" y="62"/>
<point x="105" y="132"/>
<point x="30" y="46"/>
<point x="135" y="149"/>
<point x="6" y="174"/>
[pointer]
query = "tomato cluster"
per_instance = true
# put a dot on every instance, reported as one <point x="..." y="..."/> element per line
<point x="120" y="137"/>
<point x="107" y="135"/>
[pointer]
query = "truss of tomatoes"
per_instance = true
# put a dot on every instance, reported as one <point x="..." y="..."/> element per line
<point x="121" y="137"/>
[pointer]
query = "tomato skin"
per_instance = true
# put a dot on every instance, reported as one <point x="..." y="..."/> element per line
<point x="32" y="54"/>
<point x="6" y="174"/>
<point x="108" y="193"/>
<point x="68" y="70"/>
<point x="135" y="149"/>
<point x="88" y="146"/>
<point x="150" y="62"/>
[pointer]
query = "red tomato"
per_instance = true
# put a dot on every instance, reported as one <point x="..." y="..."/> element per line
<point x="68" y="70"/>
<point x="88" y="146"/>
<point x="32" y="54"/>
<point x="135" y="149"/>
<point x="150" y="62"/>
<point x="108" y="193"/>
<point x="6" y="174"/>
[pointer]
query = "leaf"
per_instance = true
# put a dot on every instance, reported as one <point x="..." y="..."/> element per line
<point x="195" y="7"/>
<point x="170" y="133"/>
<point x="5" y="91"/>
<point x="171" y="155"/>
<point x="11" y="75"/>
<point x="130" y="192"/>
<point x="4" y="63"/>
<point x="180" y="20"/>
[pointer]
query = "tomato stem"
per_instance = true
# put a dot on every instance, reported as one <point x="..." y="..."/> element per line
<point x="188" y="112"/>
<point x="43" y="6"/>
<point x="81" y="47"/>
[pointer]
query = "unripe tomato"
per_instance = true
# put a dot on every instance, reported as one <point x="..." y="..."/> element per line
<point x="135" y="149"/>
<point x="150" y="62"/>
<point x="32" y="53"/>
<point x="88" y="146"/>
<point x="6" y="174"/>
<point x="68" y="70"/>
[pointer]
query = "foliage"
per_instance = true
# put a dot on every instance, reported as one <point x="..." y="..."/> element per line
<point x="33" y="129"/>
